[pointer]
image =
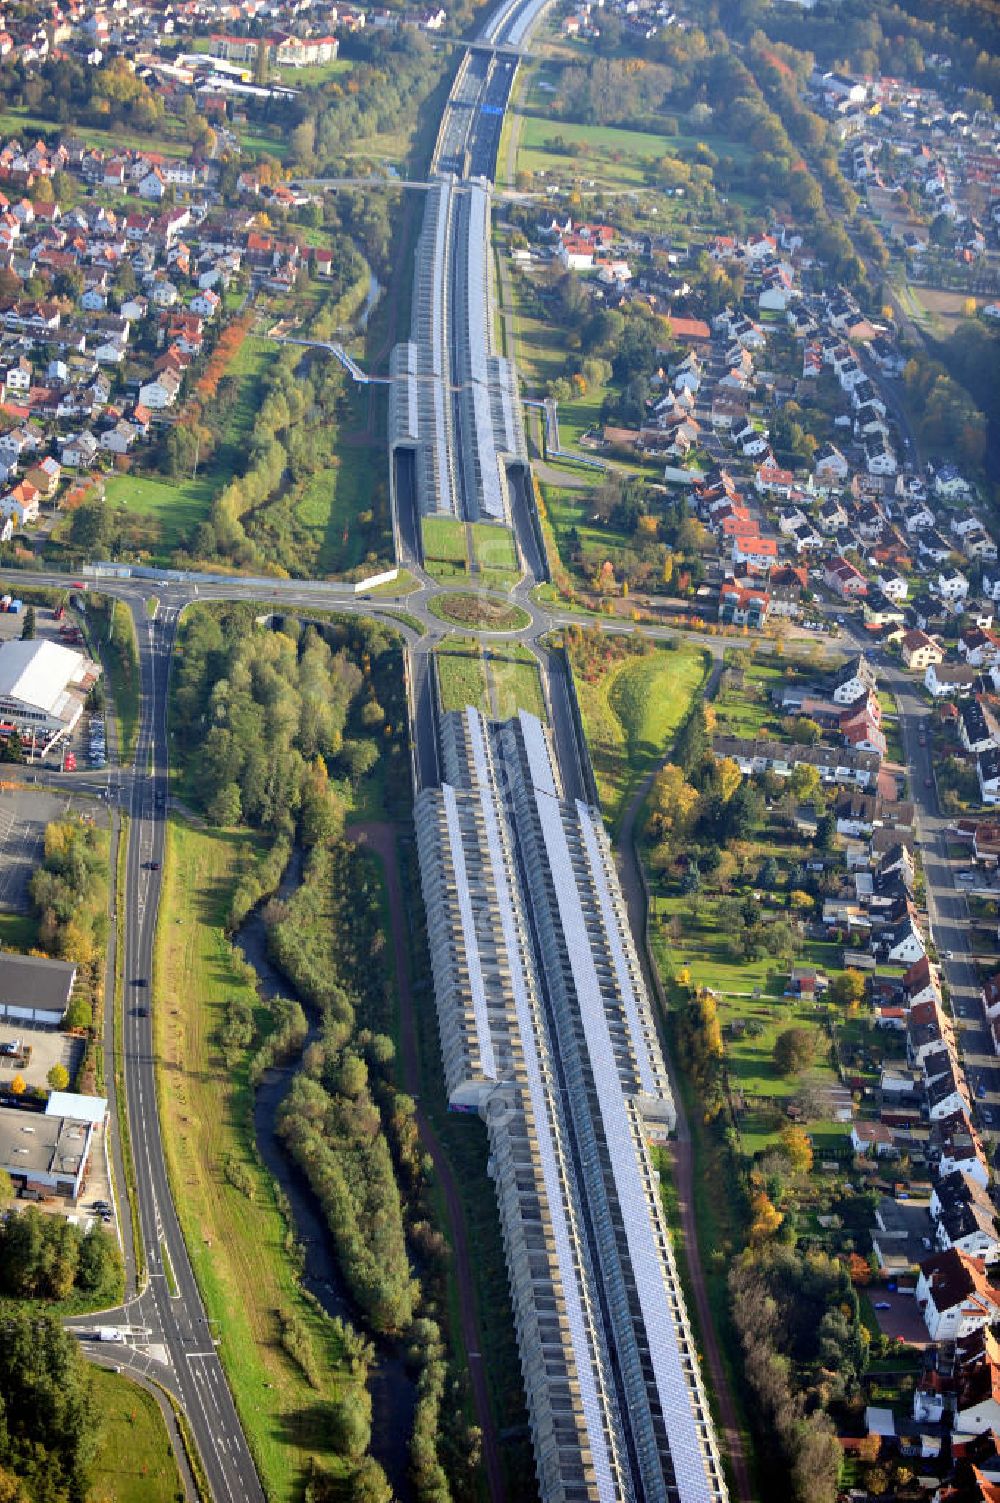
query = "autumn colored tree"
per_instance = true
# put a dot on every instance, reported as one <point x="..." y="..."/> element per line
<point x="765" y="1218"/>
<point x="797" y="1147"/>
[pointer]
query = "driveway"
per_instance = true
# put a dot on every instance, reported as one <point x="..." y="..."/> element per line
<point x="902" y="1320"/>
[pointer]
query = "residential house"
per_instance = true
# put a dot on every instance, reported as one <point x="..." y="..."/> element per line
<point x="977" y="729"/>
<point x="919" y="650"/>
<point x="964" y="1217"/>
<point x="856" y="678"/>
<point x="829" y="465"/>
<point x="952" y="586"/>
<point x="844" y="579"/>
<point x="988" y="773"/>
<point x="873" y="1138"/>
<point x="161" y="392"/>
<point x="954" y="1295"/>
<point x="944" y="680"/>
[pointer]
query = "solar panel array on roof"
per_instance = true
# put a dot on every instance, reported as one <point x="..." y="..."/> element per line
<point x="580" y="1080"/>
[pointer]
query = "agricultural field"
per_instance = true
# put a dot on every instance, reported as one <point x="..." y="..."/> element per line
<point x="632" y="707"/>
<point x="134" y="1462"/>
<point x="236" y="1237"/>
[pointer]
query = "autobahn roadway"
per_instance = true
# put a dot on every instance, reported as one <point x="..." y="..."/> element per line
<point x="168" y="1334"/>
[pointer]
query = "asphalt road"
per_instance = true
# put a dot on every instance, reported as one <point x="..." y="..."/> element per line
<point x="168" y="1332"/>
<point x="947" y="905"/>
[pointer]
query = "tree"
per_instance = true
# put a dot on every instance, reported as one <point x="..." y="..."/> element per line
<point x="797" y="1148"/>
<point x="826" y="832"/>
<point x="804" y="782"/>
<point x="226" y="807"/>
<point x="794" y="1050"/>
<point x="58" y="1077"/>
<point x="848" y="990"/>
<point x="18" y="1085"/>
<point x="12" y="748"/>
<point x="28" y="627"/>
<point x="765" y="1218"/>
<point x="79" y="1014"/>
<point x="90" y="526"/>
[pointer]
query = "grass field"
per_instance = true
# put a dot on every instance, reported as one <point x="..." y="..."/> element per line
<point x="499" y="681"/>
<point x="175" y="506"/>
<point x="630" y="717"/>
<point x="461" y="674"/>
<point x="747" y="710"/>
<point x="444" y="539"/>
<point x="18" y="931"/>
<point x="330" y="506"/>
<point x="134" y="1461"/>
<point x="236" y="1243"/>
<point x="605" y="153"/>
<point x="494" y="547"/>
<point x="515" y="681"/>
<point x="15" y="122"/>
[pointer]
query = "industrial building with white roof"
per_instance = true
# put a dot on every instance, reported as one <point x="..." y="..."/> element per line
<point x="547" y="1032"/>
<point x="43" y="688"/>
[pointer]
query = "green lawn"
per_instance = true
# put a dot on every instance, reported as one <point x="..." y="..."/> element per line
<point x="494" y="547"/>
<point x="15" y="122"/>
<point x="631" y="714"/>
<point x="461" y="674"/>
<point x="317" y="73"/>
<point x="515" y="680"/>
<point x="445" y="540"/>
<point x="134" y="1462"/>
<point x="175" y="506"/>
<point x="613" y="157"/>
<point x="237" y="1242"/>
<point x="18" y="931"/>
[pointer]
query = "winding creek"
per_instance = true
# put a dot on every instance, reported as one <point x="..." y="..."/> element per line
<point x="392" y="1390"/>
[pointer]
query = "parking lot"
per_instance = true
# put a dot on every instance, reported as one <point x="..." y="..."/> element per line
<point x="48" y="1047"/>
<point x="23" y="817"/>
<point x="902" y="1320"/>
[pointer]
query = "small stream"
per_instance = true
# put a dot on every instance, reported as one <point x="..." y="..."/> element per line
<point x="391" y="1388"/>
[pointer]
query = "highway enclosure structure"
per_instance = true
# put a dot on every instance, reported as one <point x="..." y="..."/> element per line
<point x="454" y="402"/>
<point x="545" y="1024"/>
<point x="547" y="1032"/>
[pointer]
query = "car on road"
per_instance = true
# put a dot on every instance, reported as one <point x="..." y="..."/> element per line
<point x="142" y="1012"/>
<point x="883" y="1304"/>
<point x="140" y="981"/>
<point x="153" y="866"/>
<point x="928" y="782"/>
<point x="922" y="739"/>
